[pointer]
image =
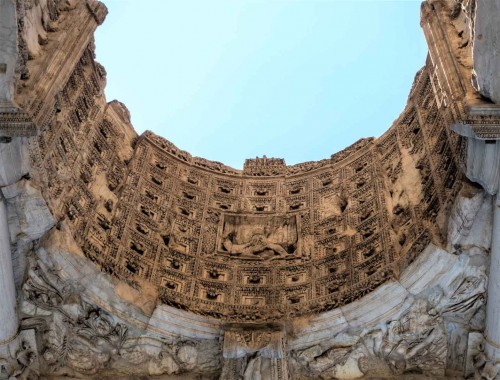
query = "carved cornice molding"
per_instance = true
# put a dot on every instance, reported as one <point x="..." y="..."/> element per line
<point x="15" y="122"/>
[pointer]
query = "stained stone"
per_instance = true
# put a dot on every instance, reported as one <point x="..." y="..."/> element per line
<point x="487" y="49"/>
<point x="8" y="315"/>
<point x="124" y="256"/>
<point x="8" y="52"/>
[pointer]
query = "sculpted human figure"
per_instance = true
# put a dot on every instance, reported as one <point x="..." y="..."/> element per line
<point x="257" y="245"/>
<point x="410" y="335"/>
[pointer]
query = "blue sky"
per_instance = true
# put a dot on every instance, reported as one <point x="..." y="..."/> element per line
<point x="234" y="79"/>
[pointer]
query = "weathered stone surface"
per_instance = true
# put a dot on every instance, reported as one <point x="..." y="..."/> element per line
<point x="492" y="333"/>
<point x="14" y="157"/>
<point x="8" y="314"/>
<point x="133" y="258"/>
<point x="398" y="346"/>
<point x="470" y="221"/>
<point x="98" y="342"/>
<point x="8" y="52"/>
<point x="486" y="52"/>
<point x="29" y="217"/>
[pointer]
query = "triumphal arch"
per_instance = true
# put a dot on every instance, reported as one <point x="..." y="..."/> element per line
<point x="124" y="257"/>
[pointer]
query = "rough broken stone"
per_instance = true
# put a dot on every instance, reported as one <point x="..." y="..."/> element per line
<point x="132" y="258"/>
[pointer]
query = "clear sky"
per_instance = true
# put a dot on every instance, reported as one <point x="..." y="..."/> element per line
<point x="234" y="79"/>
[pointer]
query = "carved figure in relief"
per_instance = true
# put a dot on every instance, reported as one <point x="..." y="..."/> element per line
<point x="259" y="367"/>
<point x="467" y="297"/>
<point x="259" y="245"/>
<point x="307" y="246"/>
<point x="78" y="339"/>
<point x="409" y="335"/>
<point x="414" y="342"/>
<point x="25" y="367"/>
<point x="262" y="238"/>
<point x="484" y="369"/>
<point x="254" y="355"/>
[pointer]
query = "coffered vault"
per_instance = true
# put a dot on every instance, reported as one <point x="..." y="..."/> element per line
<point x="126" y="256"/>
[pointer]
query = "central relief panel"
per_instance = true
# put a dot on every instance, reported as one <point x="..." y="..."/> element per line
<point x="261" y="238"/>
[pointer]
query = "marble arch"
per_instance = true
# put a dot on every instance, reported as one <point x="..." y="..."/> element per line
<point x="126" y="256"/>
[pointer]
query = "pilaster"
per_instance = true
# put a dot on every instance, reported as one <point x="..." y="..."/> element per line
<point x="255" y="352"/>
<point x="8" y="309"/>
